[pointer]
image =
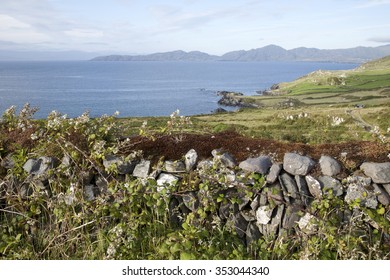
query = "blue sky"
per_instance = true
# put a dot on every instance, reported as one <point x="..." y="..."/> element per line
<point x="216" y="27"/>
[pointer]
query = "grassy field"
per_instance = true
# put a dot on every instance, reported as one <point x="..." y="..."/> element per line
<point x="321" y="107"/>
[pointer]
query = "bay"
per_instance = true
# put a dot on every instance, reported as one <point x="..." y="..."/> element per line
<point x="139" y="88"/>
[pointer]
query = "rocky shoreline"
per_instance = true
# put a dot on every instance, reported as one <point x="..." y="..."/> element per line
<point x="234" y="99"/>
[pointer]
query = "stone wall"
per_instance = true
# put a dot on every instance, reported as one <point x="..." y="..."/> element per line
<point x="256" y="197"/>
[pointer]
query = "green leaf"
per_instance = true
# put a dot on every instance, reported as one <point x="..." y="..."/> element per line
<point x="187" y="256"/>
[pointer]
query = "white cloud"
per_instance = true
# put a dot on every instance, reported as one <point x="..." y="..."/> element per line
<point x="373" y="3"/>
<point x="380" y="39"/>
<point x="84" y="33"/>
<point x="7" y="22"/>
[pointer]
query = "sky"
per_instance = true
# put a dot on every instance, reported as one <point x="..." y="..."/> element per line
<point x="212" y="26"/>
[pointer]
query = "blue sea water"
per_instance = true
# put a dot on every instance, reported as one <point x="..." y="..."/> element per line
<point x="139" y="88"/>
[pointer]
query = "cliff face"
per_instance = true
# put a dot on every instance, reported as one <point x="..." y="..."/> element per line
<point x="267" y="53"/>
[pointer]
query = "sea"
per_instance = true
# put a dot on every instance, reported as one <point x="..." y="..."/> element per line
<point x="139" y="88"/>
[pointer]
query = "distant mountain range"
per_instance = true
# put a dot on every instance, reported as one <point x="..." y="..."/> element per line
<point x="267" y="53"/>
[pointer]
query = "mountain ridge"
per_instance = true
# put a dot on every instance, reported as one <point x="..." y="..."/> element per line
<point x="267" y="53"/>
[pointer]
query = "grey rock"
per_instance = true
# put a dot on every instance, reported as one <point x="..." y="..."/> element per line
<point x="252" y="233"/>
<point x="329" y="166"/>
<point x="387" y="188"/>
<point x="249" y="215"/>
<point x="191" y="201"/>
<point x="226" y="208"/>
<point x="259" y="164"/>
<point x="225" y="158"/>
<point x="89" y="192"/>
<point x="101" y="184"/>
<point x="275" y="194"/>
<point x="142" y="169"/>
<point x="329" y="183"/>
<point x="255" y="203"/>
<point x="205" y="165"/>
<point x="240" y="225"/>
<point x="272" y="228"/>
<point x="122" y="166"/>
<point x="381" y="194"/>
<point x="25" y="191"/>
<point x="303" y="189"/>
<point x="166" y="179"/>
<point x="175" y="215"/>
<point x="291" y="217"/>
<point x="289" y="186"/>
<point x="274" y="173"/>
<point x="40" y="166"/>
<point x="308" y="224"/>
<point x="263" y="214"/>
<point x="357" y="191"/>
<point x="86" y="176"/>
<point x="378" y="172"/>
<point x="314" y="187"/>
<point x="175" y="166"/>
<point x="8" y="162"/>
<point x="191" y="158"/>
<point x="296" y="164"/>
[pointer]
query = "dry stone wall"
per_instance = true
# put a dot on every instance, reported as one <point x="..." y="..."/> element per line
<point x="256" y="197"/>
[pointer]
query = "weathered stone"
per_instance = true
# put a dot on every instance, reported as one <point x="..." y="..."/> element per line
<point x="275" y="193"/>
<point x="240" y="225"/>
<point x="191" y="201"/>
<point x="40" y="166"/>
<point x="121" y="166"/>
<point x="8" y="162"/>
<point x="252" y="233"/>
<point x="89" y="192"/>
<point x="291" y="217"/>
<point x="86" y="176"/>
<point x="255" y="203"/>
<point x="174" y="166"/>
<point x="271" y="229"/>
<point x="274" y="173"/>
<point x="296" y="164"/>
<point x="249" y="215"/>
<point x="142" y="169"/>
<point x="191" y="158"/>
<point x="329" y="166"/>
<point x="329" y="183"/>
<point x="314" y="187"/>
<point x="101" y="184"/>
<point x="308" y="224"/>
<point x="205" y="165"/>
<point x="357" y="192"/>
<point x="258" y="165"/>
<point x="166" y="179"/>
<point x="382" y="196"/>
<point x="175" y="215"/>
<point x="263" y="214"/>
<point x="289" y="186"/>
<point x="303" y="189"/>
<point x="227" y="208"/>
<point x="225" y="158"/>
<point x="387" y="188"/>
<point x="378" y="172"/>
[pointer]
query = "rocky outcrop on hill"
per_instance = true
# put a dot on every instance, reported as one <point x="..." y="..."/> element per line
<point x="234" y="99"/>
<point x="255" y="197"/>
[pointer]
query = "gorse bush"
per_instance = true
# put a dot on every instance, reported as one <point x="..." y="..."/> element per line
<point x="81" y="209"/>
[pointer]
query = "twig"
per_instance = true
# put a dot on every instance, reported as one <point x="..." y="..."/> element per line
<point x="66" y="232"/>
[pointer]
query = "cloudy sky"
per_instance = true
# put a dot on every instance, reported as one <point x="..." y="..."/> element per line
<point x="213" y="26"/>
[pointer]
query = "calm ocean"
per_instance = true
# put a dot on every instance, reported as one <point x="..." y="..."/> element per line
<point x="139" y="88"/>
